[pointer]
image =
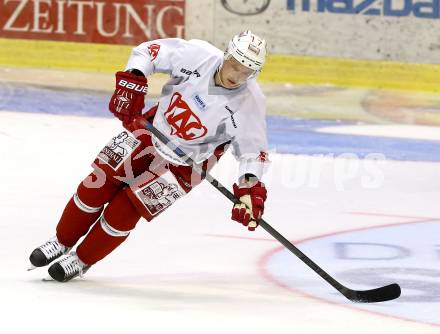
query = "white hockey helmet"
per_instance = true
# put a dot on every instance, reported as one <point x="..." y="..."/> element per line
<point x="248" y="49"/>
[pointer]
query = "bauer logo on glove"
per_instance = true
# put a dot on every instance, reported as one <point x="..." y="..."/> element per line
<point x="133" y="86"/>
<point x="127" y="101"/>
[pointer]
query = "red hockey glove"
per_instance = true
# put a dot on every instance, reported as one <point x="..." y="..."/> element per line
<point x="253" y="207"/>
<point x="127" y="101"/>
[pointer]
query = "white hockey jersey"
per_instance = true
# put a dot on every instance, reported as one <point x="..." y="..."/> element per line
<point x="196" y="114"/>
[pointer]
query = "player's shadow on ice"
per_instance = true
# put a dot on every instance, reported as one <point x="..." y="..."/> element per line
<point x="170" y="294"/>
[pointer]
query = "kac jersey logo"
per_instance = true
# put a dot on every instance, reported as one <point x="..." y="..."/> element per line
<point x="184" y="123"/>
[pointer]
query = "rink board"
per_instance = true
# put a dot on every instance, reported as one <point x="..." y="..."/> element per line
<point x="279" y="68"/>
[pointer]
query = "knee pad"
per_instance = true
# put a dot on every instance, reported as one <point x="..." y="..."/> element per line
<point x="110" y="230"/>
<point x="84" y="207"/>
<point x="95" y="191"/>
<point x="120" y="216"/>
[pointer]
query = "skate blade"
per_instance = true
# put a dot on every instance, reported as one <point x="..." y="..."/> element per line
<point x="47" y="279"/>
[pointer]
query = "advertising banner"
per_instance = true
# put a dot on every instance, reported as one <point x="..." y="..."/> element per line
<point x="107" y="21"/>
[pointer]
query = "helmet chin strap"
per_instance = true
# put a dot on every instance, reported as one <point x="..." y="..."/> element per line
<point x="220" y="79"/>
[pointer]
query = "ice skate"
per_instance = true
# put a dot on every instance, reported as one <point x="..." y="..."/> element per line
<point x="46" y="253"/>
<point x="67" y="268"/>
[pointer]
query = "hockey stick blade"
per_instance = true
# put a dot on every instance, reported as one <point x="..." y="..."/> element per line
<point x="382" y="294"/>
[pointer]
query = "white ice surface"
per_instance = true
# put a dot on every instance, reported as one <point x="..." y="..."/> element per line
<point x="192" y="270"/>
<point x="387" y="130"/>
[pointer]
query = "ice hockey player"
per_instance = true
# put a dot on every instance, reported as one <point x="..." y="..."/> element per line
<point x="211" y="101"/>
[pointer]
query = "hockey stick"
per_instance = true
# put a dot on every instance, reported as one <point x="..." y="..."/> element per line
<point x="384" y="293"/>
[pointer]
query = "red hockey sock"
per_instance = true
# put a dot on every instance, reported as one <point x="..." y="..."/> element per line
<point x="118" y="219"/>
<point x="83" y="209"/>
<point x="74" y="223"/>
